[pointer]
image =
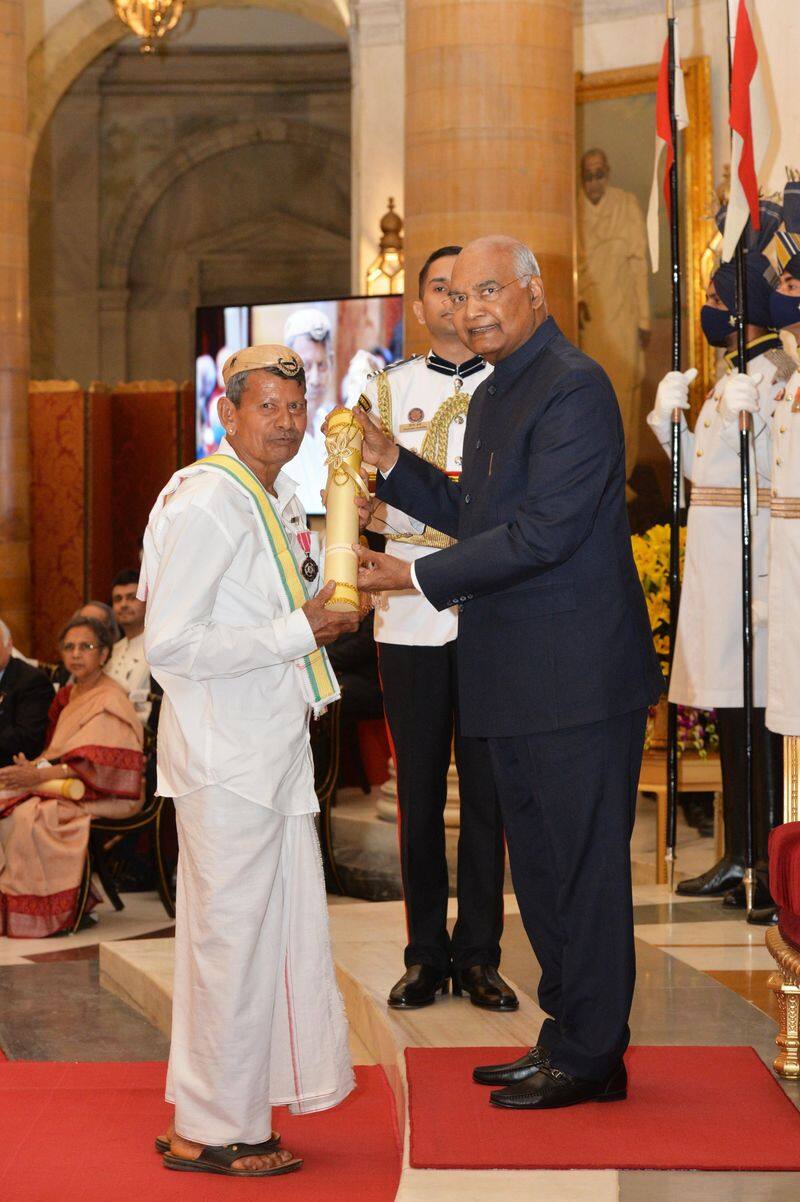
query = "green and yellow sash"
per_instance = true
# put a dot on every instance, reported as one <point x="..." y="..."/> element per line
<point x="318" y="671"/>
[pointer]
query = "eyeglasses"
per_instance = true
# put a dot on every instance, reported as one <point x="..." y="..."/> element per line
<point x="486" y="293"/>
<point x="79" y="646"/>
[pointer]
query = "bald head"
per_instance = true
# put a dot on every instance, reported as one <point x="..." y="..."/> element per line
<point x="498" y="296"/>
<point x="595" y="171"/>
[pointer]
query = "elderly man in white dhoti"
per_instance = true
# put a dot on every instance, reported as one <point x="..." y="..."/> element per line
<point x="235" y="637"/>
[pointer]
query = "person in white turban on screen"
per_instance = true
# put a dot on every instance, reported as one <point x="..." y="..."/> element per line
<point x="235" y="637"/>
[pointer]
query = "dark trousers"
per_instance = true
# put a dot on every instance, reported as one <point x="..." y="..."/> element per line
<point x="568" y="800"/>
<point x="767" y="782"/>
<point x="420" y="692"/>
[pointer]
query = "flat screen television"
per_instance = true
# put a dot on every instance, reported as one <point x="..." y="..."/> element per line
<point x="340" y="342"/>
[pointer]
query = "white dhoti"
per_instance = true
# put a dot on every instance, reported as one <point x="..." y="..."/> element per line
<point x="257" y="1018"/>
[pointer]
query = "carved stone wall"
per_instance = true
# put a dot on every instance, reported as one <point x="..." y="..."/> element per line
<point x="163" y="183"/>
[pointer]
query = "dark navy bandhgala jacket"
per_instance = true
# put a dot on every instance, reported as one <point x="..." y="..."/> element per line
<point x="553" y="629"/>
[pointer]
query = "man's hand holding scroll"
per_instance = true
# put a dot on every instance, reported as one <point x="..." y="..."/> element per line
<point x="326" y="625"/>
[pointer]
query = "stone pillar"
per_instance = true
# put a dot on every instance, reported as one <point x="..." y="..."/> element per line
<point x="490" y="135"/>
<point x="14" y="487"/>
<point x="377" y="66"/>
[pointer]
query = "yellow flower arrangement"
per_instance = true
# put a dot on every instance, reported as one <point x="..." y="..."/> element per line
<point x="651" y="554"/>
<point x="696" y="728"/>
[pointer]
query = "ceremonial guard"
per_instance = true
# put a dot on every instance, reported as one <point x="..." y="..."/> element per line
<point x="783" y="656"/>
<point x="707" y="664"/>
<point x="423" y="404"/>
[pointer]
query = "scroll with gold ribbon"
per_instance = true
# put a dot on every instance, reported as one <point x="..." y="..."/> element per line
<point x="343" y="443"/>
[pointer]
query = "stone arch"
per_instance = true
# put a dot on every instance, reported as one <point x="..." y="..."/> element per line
<point x="205" y="146"/>
<point x="91" y="27"/>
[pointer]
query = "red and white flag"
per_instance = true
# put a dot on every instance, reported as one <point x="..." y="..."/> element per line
<point x="750" y="134"/>
<point x="664" y="140"/>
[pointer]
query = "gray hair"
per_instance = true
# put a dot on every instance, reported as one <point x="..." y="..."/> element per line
<point x="525" y="261"/>
<point x="110" y="621"/>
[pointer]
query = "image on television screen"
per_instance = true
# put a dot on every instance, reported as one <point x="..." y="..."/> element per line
<point x="341" y="342"/>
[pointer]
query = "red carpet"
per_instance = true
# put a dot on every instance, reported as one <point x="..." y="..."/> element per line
<point x="84" y="1133"/>
<point x="687" y="1108"/>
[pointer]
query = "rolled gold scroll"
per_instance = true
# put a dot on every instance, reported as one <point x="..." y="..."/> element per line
<point x="343" y="444"/>
<point x="71" y="788"/>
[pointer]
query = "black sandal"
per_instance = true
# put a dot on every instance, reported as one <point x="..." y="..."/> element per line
<point x="221" y="1159"/>
<point x="162" y="1146"/>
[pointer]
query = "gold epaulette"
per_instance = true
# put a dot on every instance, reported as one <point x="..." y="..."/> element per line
<point x="434" y="450"/>
<point x="784" y="363"/>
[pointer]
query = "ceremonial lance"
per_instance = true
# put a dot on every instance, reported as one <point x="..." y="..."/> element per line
<point x="675" y="452"/>
<point x="745" y="426"/>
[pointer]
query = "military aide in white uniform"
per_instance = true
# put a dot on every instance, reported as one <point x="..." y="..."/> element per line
<point x="423" y="404"/>
<point x="236" y="643"/>
<point x="707" y="665"/>
<point x="783" y="673"/>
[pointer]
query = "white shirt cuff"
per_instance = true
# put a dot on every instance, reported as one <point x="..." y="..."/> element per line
<point x="296" y="638"/>
<point x="414" y="581"/>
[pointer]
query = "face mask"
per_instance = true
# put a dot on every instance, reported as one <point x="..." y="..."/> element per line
<point x="784" y="310"/>
<point x="716" y="325"/>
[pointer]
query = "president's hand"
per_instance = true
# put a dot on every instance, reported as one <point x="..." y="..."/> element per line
<point x="377" y="447"/>
<point x="326" y="625"/>
<point x="378" y="573"/>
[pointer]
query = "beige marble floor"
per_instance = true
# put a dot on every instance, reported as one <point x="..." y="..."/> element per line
<point x="368" y="942"/>
<point x="143" y="914"/>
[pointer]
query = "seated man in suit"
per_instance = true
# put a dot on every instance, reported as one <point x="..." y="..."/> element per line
<point x="556" y="666"/>
<point x="25" y="697"/>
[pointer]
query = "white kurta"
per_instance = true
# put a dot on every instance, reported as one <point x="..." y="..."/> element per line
<point x="130" y="669"/>
<point x="783" y="689"/>
<point x="407" y="617"/>
<point x="218" y="643"/>
<point x="257" y="1016"/>
<point x="707" y="666"/>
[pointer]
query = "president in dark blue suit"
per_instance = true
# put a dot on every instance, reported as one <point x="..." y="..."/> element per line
<point x="556" y="665"/>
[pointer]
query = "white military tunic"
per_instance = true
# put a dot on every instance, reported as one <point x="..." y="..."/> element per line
<point x="707" y="666"/>
<point x="783" y="684"/>
<point x="424" y="418"/>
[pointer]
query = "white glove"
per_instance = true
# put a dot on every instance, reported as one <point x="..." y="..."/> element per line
<point x="738" y="393"/>
<point x="672" y="393"/>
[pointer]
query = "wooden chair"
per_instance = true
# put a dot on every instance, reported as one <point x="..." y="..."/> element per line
<point x="149" y="818"/>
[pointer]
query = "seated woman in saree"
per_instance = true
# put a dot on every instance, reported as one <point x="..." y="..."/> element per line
<point x="92" y="765"/>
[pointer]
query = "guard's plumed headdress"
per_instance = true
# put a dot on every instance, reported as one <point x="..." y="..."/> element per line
<point x="787" y="243"/>
<point x="759" y="272"/>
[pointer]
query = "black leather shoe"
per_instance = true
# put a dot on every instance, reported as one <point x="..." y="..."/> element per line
<point x="767" y="916"/>
<point x="736" y="899"/>
<point x="485" y="987"/>
<point x="510" y="1074"/>
<point x="550" y="1089"/>
<point x="725" y="875"/>
<point x="418" y="987"/>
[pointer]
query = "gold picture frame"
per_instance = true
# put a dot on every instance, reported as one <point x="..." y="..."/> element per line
<point x="695" y="181"/>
